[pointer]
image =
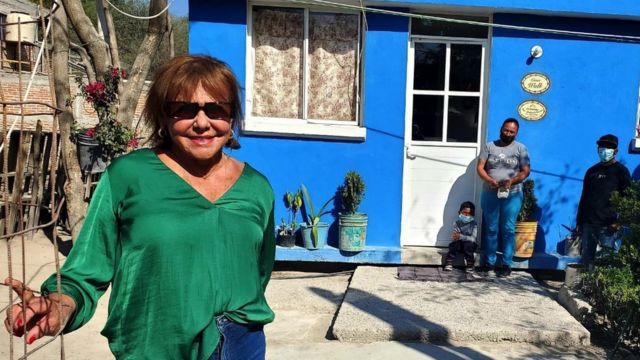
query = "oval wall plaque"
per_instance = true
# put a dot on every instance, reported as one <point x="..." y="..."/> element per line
<point x="532" y="110"/>
<point x="535" y="83"/>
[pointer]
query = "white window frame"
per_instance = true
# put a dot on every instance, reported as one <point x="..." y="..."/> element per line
<point x="310" y="128"/>
<point x="445" y="93"/>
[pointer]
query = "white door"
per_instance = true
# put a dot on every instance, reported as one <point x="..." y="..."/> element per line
<point x="445" y="86"/>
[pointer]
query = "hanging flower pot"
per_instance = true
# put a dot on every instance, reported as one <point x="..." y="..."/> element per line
<point x="91" y="154"/>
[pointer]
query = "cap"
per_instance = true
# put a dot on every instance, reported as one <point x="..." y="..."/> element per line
<point x="608" y="139"/>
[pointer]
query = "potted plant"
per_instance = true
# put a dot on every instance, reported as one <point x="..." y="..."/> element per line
<point x="527" y="225"/>
<point x="287" y="230"/>
<point x="352" y="225"/>
<point x="314" y="232"/>
<point x="109" y="138"/>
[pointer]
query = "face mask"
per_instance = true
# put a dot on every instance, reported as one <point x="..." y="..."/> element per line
<point x="606" y="154"/>
<point x="465" y="218"/>
<point x="507" y="139"/>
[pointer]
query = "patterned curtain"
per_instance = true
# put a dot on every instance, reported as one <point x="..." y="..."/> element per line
<point x="278" y="38"/>
<point x="333" y="45"/>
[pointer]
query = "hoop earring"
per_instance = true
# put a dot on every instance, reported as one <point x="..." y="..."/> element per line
<point x="233" y="135"/>
<point x="161" y="133"/>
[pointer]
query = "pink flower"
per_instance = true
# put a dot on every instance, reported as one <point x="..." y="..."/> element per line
<point x="123" y="73"/>
<point x="94" y="92"/>
<point x="90" y="132"/>
<point x="133" y="143"/>
<point x="115" y="72"/>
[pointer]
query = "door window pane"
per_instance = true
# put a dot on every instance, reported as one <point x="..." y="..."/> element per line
<point x="427" y="117"/>
<point x="462" y="124"/>
<point x="466" y="60"/>
<point x="429" y="66"/>
<point x="450" y="29"/>
<point x="278" y="39"/>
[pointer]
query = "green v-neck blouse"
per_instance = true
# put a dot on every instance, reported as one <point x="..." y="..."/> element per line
<point x="174" y="259"/>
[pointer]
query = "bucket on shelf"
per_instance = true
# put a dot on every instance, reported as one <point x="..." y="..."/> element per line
<point x="353" y="232"/>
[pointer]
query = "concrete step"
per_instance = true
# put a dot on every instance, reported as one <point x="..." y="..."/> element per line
<point x="379" y="307"/>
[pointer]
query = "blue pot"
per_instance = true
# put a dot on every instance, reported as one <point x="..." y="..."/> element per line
<point x="307" y="235"/>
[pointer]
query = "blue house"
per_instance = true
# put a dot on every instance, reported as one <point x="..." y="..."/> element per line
<point x="407" y="92"/>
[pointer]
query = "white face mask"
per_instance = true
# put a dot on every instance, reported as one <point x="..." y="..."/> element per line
<point x="606" y="154"/>
<point x="465" y="218"/>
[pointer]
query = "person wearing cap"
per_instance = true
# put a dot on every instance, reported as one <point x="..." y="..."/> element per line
<point x="596" y="220"/>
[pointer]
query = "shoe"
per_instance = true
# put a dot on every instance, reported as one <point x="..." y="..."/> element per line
<point x="470" y="267"/>
<point x="448" y="267"/>
<point x="487" y="270"/>
<point x="504" y="272"/>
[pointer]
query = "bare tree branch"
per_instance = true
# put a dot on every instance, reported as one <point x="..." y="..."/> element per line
<point x="130" y="91"/>
<point x="95" y="45"/>
<point x="113" y="40"/>
<point x="86" y="61"/>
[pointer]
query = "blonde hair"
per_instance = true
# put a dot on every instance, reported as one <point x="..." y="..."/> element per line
<point x="180" y="77"/>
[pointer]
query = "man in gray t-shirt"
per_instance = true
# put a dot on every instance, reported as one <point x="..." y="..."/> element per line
<point x="502" y="165"/>
<point x="504" y="162"/>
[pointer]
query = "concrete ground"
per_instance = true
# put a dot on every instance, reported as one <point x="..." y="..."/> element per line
<point x="310" y="309"/>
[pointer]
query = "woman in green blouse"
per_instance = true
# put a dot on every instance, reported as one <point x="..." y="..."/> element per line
<point x="183" y="233"/>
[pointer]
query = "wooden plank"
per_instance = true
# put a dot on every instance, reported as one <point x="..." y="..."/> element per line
<point x="16" y="194"/>
<point x="36" y="185"/>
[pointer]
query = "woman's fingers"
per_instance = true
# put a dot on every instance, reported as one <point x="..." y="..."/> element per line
<point x="23" y="292"/>
<point x="30" y="314"/>
<point x="47" y="325"/>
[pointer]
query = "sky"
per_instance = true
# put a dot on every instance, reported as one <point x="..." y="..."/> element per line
<point x="179" y="7"/>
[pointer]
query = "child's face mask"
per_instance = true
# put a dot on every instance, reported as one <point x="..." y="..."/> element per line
<point x="465" y="218"/>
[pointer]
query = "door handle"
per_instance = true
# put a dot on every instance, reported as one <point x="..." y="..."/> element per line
<point x="408" y="153"/>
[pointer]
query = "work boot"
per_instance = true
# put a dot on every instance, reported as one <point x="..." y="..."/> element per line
<point x="505" y="271"/>
<point x="487" y="270"/>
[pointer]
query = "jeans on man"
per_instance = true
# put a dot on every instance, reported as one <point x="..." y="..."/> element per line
<point x="239" y="341"/>
<point x="593" y="236"/>
<point x="499" y="217"/>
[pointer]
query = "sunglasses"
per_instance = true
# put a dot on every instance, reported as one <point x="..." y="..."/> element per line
<point x="180" y="110"/>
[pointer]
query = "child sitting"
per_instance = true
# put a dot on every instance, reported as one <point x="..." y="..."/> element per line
<point x="463" y="239"/>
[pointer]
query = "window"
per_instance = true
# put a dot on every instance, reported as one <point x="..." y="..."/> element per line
<point x="305" y="76"/>
<point x="447" y="81"/>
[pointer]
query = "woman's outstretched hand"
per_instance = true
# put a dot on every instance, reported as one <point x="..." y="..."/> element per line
<point x="40" y="316"/>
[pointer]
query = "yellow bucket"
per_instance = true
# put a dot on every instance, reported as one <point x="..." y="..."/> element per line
<point x="525" y="238"/>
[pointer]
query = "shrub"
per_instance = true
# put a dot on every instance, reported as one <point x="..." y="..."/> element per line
<point x="529" y="201"/>
<point x="613" y="286"/>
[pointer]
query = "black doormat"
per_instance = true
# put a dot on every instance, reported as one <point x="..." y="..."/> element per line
<point x="436" y="274"/>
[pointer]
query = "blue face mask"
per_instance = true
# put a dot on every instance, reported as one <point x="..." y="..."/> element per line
<point x="606" y="154"/>
<point x="465" y="219"/>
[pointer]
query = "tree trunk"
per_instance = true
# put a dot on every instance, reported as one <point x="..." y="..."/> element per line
<point x="95" y="45"/>
<point x="113" y="40"/>
<point x="172" y="45"/>
<point x="130" y="91"/>
<point x="73" y="187"/>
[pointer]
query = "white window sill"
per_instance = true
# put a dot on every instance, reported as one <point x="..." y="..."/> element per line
<point x="304" y="130"/>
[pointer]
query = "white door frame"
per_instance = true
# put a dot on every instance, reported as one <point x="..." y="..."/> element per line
<point x="408" y="143"/>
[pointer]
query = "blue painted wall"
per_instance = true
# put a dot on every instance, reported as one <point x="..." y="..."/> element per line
<point x="594" y="90"/>
<point x="219" y="29"/>
<point x="630" y="8"/>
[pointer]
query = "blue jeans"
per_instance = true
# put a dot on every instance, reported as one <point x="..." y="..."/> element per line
<point x="499" y="217"/>
<point x="239" y="341"/>
<point x="594" y="235"/>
